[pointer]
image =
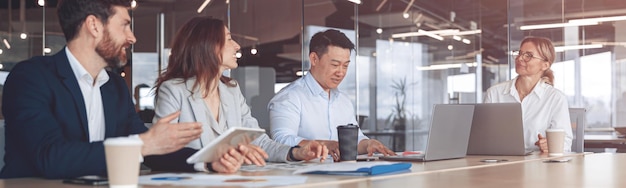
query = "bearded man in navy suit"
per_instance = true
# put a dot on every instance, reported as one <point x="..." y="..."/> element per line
<point x="58" y="109"/>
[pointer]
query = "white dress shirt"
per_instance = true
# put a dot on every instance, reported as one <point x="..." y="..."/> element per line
<point x="304" y="111"/>
<point x="91" y="96"/>
<point x="544" y="107"/>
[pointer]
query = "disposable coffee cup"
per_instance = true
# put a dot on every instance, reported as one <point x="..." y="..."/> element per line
<point x="555" y="138"/>
<point x="348" y="142"/>
<point x="122" y="158"/>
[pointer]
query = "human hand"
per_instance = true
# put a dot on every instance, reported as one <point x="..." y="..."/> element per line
<point x="311" y="150"/>
<point x="231" y="161"/>
<point x="542" y="143"/>
<point x="372" y="146"/>
<point x="165" y="137"/>
<point x="255" y="155"/>
<point x="331" y="145"/>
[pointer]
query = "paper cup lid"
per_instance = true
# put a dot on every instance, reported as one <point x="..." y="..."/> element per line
<point x="123" y="141"/>
<point x="555" y="130"/>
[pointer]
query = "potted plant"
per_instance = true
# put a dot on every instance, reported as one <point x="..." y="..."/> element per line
<point x="398" y="118"/>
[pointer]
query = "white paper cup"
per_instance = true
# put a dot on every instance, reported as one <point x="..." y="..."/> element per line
<point x="122" y="158"/>
<point x="555" y="138"/>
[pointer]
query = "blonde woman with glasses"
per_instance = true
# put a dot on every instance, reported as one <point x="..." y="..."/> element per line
<point x="543" y="106"/>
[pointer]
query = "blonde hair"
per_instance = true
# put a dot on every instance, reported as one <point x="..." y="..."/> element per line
<point x="545" y="49"/>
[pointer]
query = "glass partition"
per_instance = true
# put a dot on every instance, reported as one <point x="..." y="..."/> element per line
<point x="415" y="55"/>
<point x="588" y="41"/>
<point x="410" y="54"/>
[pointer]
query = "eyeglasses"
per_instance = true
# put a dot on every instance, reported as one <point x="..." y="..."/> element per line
<point x="527" y="56"/>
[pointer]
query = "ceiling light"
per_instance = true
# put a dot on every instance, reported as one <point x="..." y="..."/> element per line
<point x="555" y="25"/>
<point x="41" y="3"/>
<point x="470" y="32"/>
<point x="355" y="1"/>
<point x="601" y="19"/>
<point x="379" y="30"/>
<point x="452" y="16"/>
<point x="409" y="34"/>
<point x="133" y="4"/>
<point x="456" y="37"/>
<point x="466" y="41"/>
<point x="238" y="55"/>
<point x="611" y="43"/>
<point x="6" y="43"/>
<point x="1" y="51"/>
<point x="564" y="48"/>
<point x="405" y="13"/>
<point x="206" y="2"/>
<point x="47" y="50"/>
<point x="492" y="58"/>
<point x="253" y="51"/>
<point x="430" y="34"/>
<point x="444" y="31"/>
<point x="380" y="5"/>
<point x="574" y="22"/>
<point x="23" y="35"/>
<point x="450" y="47"/>
<point x="576" y="47"/>
<point x="436" y="32"/>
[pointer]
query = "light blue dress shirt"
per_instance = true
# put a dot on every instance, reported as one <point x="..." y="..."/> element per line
<point x="304" y="111"/>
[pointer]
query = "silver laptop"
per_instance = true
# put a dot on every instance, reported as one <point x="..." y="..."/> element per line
<point x="497" y="129"/>
<point x="448" y="135"/>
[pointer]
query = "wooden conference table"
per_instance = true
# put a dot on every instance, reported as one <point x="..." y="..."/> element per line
<point x="583" y="170"/>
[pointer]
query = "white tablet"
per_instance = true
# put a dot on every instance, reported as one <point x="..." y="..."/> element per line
<point x="229" y="139"/>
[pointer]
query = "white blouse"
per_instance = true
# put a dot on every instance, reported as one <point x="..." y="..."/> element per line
<point x="544" y="107"/>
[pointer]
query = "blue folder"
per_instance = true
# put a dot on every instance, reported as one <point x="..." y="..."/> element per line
<point x="370" y="170"/>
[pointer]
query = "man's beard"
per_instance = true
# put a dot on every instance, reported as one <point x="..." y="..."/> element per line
<point x="113" y="54"/>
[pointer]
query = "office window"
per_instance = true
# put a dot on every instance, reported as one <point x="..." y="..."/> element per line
<point x="596" y="88"/>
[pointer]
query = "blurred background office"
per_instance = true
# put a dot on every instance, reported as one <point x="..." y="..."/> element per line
<point x="410" y="54"/>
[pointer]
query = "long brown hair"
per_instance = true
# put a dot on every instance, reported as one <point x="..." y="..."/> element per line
<point x="545" y="48"/>
<point x="196" y="52"/>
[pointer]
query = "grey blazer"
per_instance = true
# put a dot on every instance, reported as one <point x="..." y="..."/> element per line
<point x="174" y="95"/>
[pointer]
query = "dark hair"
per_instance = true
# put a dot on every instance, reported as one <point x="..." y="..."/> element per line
<point x="196" y="51"/>
<point x="545" y="48"/>
<point x="72" y="13"/>
<point x="320" y="41"/>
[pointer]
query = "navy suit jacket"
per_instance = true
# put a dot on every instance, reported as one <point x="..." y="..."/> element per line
<point x="46" y="124"/>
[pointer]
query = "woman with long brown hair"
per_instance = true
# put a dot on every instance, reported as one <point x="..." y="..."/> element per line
<point x="193" y="84"/>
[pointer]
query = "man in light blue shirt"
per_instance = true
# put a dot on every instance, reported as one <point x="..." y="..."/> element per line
<point x="312" y="107"/>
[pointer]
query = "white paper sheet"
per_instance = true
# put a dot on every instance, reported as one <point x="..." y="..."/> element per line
<point x="343" y="166"/>
<point x="191" y="179"/>
<point x="284" y="166"/>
